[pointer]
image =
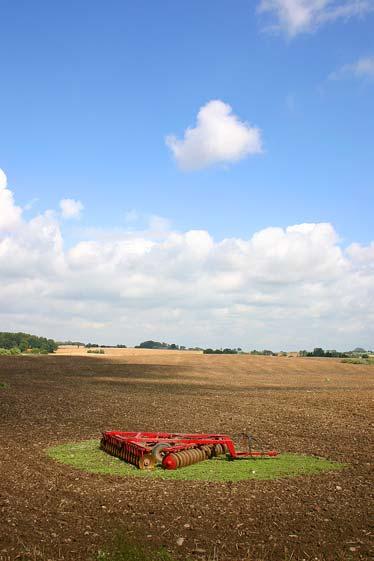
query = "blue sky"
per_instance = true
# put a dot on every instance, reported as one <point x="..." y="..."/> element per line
<point x="89" y="92"/>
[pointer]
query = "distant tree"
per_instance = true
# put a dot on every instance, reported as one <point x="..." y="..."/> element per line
<point x="23" y="345"/>
<point x="220" y="351"/>
<point x="149" y="345"/>
<point x="157" y="345"/>
<point x="25" y="342"/>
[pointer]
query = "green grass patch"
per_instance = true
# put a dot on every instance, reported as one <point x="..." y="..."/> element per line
<point x="4" y="386"/>
<point x="359" y="360"/>
<point x="125" y="551"/>
<point x="87" y="456"/>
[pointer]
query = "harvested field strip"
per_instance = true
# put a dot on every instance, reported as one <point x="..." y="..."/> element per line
<point x="87" y="456"/>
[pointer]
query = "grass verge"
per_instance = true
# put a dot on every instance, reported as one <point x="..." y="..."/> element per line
<point x="87" y="456"/>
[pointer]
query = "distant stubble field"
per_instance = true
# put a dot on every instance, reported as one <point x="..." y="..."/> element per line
<point x="310" y="406"/>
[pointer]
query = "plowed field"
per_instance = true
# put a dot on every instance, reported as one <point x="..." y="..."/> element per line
<point x="320" y="407"/>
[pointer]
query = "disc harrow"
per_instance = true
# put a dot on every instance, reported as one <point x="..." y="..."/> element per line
<point x="146" y="450"/>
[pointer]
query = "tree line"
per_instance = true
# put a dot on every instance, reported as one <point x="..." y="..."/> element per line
<point x="26" y="342"/>
<point x="23" y="342"/>
<point x="319" y="352"/>
<point x="158" y="345"/>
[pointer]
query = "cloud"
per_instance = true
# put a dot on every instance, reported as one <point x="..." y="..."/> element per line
<point x="3" y="180"/>
<point x="10" y="214"/>
<point x="362" y="68"/>
<point x="301" y="16"/>
<point x="150" y="222"/>
<point x="71" y="208"/>
<point x="158" y="224"/>
<point x="293" y="287"/>
<point x="219" y="137"/>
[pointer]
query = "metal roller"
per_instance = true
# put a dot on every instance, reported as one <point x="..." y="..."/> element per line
<point x="191" y="457"/>
<point x="170" y="461"/>
<point x="218" y="450"/>
<point x="201" y="455"/>
<point x="184" y="458"/>
<point x="207" y="449"/>
<point x="196" y="454"/>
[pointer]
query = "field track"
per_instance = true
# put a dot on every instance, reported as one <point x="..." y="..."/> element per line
<point x="50" y="511"/>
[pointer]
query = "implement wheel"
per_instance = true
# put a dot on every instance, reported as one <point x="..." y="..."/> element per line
<point x="159" y="451"/>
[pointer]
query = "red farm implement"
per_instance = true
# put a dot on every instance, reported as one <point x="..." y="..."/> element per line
<point x="174" y="450"/>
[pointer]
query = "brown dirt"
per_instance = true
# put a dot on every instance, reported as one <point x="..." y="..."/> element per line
<point x="310" y="406"/>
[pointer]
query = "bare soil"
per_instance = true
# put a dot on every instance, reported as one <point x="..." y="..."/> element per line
<point x="52" y="512"/>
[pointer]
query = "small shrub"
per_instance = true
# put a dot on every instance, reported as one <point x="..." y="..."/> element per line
<point x="12" y="351"/>
<point x="358" y="360"/>
<point x="96" y="351"/>
<point x="39" y="351"/>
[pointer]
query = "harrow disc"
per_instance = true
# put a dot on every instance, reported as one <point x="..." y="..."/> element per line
<point x="208" y="450"/>
<point x="218" y="450"/>
<point x="184" y="458"/>
<point x="170" y="461"/>
<point x="147" y="462"/>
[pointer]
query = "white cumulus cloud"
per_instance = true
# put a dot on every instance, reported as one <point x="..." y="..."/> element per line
<point x="301" y="16"/>
<point x="70" y="208"/>
<point x="292" y="288"/>
<point x="218" y="137"/>
<point x="361" y="68"/>
<point x="10" y="214"/>
<point x="3" y="180"/>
